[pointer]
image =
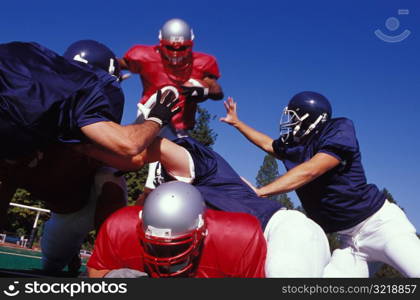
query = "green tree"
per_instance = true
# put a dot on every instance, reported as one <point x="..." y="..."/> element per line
<point x="267" y="173"/>
<point x="135" y="183"/>
<point x="19" y="220"/>
<point x="202" y="131"/>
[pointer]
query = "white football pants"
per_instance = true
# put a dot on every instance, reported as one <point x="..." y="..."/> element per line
<point x="296" y="246"/>
<point x="387" y="236"/>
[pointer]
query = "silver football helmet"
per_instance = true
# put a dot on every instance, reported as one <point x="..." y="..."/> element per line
<point x="176" y="42"/>
<point x="172" y="229"/>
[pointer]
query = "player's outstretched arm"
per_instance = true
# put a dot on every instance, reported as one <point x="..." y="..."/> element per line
<point x="300" y="175"/>
<point x="200" y="90"/>
<point x="125" y="141"/>
<point x="257" y="138"/>
<point x="123" y="163"/>
<point x="131" y="140"/>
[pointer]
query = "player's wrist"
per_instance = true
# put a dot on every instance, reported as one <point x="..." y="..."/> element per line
<point x="155" y="120"/>
<point x="236" y="123"/>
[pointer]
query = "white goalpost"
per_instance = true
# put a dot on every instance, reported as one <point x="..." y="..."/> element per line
<point x="27" y="242"/>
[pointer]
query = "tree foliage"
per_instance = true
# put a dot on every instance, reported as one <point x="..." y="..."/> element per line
<point x="20" y="221"/>
<point x="202" y="131"/>
<point x="267" y="173"/>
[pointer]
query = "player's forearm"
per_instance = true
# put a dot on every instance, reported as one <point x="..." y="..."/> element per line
<point x="123" y="163"/>
<point x="127" y="141"/>
<point x="290" y="181"/>
<point x="142" y="134"/>
<point x="300" y="175"/>
<point x="215" y="90"/>
<point x="257" y="138"/>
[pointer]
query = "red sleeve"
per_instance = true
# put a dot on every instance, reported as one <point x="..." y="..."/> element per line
<point x="211" y="68"/>
<point x="104" y="256"/>
<point x="132" y="58"/>
<point x="252" y="264"/>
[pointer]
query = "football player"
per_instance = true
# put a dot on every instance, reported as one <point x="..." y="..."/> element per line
<point x="323" y="160"/>
<point x="175" y="235"/>
<point x="50" y="101"/>
<point x="289" y="233"/>
<point x="174" y="63"/>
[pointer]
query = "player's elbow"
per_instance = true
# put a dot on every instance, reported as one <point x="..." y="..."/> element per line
<point x="128" y="148"/>
<point x="267" y="146"/>
<point x="310" y="174"/>
<point x="122" y="63"/>
<point x="217" y="96"/>
<point x="138" y="161"/>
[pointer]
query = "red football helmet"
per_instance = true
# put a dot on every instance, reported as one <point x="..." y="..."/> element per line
<point x="176" y="42"/>
<point x="172" y="230"/>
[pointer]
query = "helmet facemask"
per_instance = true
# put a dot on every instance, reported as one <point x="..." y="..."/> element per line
<point x="176" y="42"/>
<point x="176" y="54"/>
<point x="171" y="256"/>
<point x="293" y="125"/>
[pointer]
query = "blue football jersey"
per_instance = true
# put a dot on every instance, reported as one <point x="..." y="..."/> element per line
<point x="46" y="98"/>
<point x="340" y="198"/>
<point x="220" y="185"/>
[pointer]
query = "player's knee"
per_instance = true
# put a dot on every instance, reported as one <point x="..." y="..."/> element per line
<point x="107" y="175"/>
<point x="291" y="265"/>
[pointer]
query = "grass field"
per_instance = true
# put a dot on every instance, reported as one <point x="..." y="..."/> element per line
<point x="22" y="262"/>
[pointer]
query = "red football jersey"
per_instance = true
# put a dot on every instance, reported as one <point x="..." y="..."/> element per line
<point x="234" y="247"/>
<point x="147" y="62"/>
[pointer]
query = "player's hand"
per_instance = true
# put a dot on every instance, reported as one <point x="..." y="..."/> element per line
<point x="250" y="185"/>
<point x="164" y="108"/>
<point x="195" y="90"/>
<point x="231" y="114"/>
<point x="125" y="273"/>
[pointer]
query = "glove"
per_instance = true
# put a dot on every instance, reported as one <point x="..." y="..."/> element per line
<point x="194" y="90"/>
<point x="125" y="273"/>
<point x="164" y="110"/>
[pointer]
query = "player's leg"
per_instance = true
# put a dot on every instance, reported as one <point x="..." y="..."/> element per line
<point x="391" y="238"/>
<point x="111" y="193"/>
<point x="346" y="263"/>
<point x="296" y="246"/>
<point x="64" y="234"/>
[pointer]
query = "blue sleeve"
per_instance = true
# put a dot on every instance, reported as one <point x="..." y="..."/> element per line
<point x="101" y="104"/>
<point x="339" y="139"/>
<point x="98" y="103"/>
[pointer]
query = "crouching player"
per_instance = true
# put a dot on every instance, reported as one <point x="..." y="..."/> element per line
<point x="175" y="235"/>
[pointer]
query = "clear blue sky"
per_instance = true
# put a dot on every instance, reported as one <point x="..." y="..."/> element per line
<point x="268" y="51"/>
